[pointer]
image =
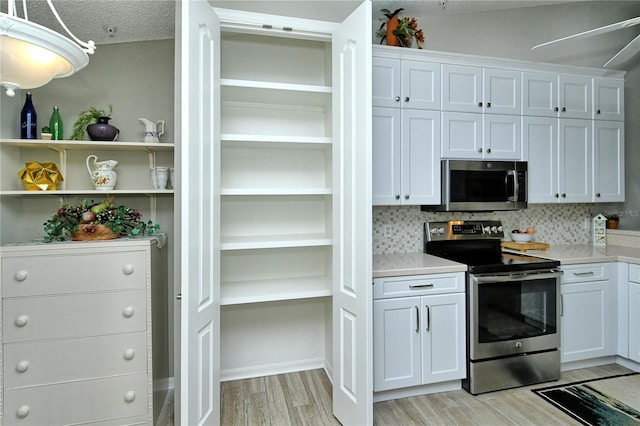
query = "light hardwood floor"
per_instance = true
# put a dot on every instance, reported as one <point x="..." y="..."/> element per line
<point x="304" y="398"/>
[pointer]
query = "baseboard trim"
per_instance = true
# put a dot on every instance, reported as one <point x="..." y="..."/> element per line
<point x="270" y="369"/>
<point x="417" y="390"/>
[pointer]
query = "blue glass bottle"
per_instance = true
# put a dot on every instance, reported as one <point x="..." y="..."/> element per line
<point x="55" y="125"/>
<point x="28" y="120"/>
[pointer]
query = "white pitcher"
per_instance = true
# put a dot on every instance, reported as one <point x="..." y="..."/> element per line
<point x="102" y="175"/>
<point x="152" y="131"/>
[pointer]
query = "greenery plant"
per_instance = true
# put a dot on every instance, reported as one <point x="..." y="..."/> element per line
<point x="85" y="118"/>
<point x="122" y="220"/>
<point x="46" y="129"/>
<point x="612" y="216"/>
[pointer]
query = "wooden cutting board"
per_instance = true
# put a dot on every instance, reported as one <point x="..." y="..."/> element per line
<point x="522" y="247"/>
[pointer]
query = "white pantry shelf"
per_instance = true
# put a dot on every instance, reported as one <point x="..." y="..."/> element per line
<point x="275" y="191"/>
<point x="62" y="192"/>
<point x="275" y="93"/>
<point x="241" y="292"/>
<point x="275" y="139"/>
<point x="274" y="241"/>
<point x="84" y="145"/>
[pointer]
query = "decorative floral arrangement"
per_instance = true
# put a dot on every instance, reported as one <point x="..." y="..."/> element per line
<point x="399" y="32"/>
<point x="90" y="218"/>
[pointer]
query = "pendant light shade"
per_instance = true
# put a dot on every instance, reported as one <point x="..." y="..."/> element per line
<point x="32" y="55"/>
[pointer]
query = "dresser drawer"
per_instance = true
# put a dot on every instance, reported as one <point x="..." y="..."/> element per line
<point x="77" y="402"/>
<point x="586" y="272"/>
<point x="55" y="361"/>
<point x="55" y="274"/>
<point x="385" y="288"/>
<point x="77" y="315"/>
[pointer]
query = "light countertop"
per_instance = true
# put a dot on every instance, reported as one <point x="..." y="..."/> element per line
<point x="400" y="264"/>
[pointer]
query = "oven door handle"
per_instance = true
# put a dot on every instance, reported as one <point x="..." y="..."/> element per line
<point x="515" y="276"/>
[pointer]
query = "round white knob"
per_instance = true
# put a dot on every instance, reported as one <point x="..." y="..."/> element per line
<point x="22" y="366"/>
<point x="129" y="354"/>
<point x="129" y="396"/>
<point x="23" y="411"/>
<point x="127" y="312"/>
<point x="21" y="275"/>
<point x="127" y="269"/>
<point x="21" y="320"/>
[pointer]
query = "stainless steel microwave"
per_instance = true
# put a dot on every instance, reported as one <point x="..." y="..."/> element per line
<point x="469" y="185"/>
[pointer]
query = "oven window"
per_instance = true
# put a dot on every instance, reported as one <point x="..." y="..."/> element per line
<point x="516" y="310"/>
<point x="480" y="186"/>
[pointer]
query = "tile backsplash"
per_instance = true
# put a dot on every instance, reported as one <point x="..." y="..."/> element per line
<point x="555" y="224"/>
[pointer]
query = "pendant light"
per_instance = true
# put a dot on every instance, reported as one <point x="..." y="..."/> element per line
<point x="32" y="55"/>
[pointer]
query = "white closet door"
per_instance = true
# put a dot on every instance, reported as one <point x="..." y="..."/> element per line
<point x="352" y="220"/>
<point x="200" y="214"/>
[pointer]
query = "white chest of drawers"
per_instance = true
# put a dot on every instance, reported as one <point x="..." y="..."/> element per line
<point x="77" y="342"/>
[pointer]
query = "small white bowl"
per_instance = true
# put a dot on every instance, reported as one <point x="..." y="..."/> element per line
<point x="521" y="238"/>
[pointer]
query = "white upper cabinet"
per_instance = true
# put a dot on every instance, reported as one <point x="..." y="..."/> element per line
<point x="406" y="84"/>
<point x="553" y="95"/>
<point x="474" y="89"/>
<point x="608" y="99"/>
<point x="575" y="161"/>
<point x="540" y="139"/>
<point x="608" y="161"/>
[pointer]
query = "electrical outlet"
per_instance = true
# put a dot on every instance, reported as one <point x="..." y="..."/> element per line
<point x="386" y="230"/>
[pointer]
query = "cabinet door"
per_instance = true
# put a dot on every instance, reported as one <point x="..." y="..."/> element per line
<point x="540" y="140"/>
<point x="420" y="85"/>
<point x="443" y="341"/>
<point x="502" y="91"/>
<point x="386" y="90"/>
<point x="461" y="88"/>
<point x="608" y="99"/>
<point x="575" y="156"/>
<point x="539" y="94"/>
<point x="386" y="139"/>
<point x="575" y="97"/>
<point x="502" y="137"/>
<point x="608" y="161"/>
<point x="461" y="135"/>
<point x="588" y="320"/>
<point x="420" y="157"/>
<point x="634" y="322"/>
<point x="396" y="343"/>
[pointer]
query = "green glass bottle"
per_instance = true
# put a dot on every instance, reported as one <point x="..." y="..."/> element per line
<point x="55" y="124"/>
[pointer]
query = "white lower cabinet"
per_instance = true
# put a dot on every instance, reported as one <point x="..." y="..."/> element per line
<point x="418" y="330"/>
<point x="634" y="312"/>
<point x="77" y="338"/>
<point x="589" y="316"/>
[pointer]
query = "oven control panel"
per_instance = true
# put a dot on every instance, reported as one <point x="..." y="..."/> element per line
<point x="463" y="230"/>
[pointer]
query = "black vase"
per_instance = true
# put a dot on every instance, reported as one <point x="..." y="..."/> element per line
<point x="102" y="130"/>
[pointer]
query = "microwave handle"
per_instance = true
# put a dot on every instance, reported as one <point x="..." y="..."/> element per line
<point x="514" y="174"/>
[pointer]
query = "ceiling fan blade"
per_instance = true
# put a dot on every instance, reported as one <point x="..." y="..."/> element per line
<point x="627" y="52"/>
<point x="594" y="32"/>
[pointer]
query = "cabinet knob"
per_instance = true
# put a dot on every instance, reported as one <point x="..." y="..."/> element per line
<point x="130" y="396"/>
<point x="23" y="411"/>
<point x="20" y="275"/>
<point x="479" y="104"/>
<point x="564" y="195"/>
<point x="597" y="111"/>
<point x="563" y="109"/>
<point x="21" y="320"/>
<point x="127" y="312"/>
<point x="397" y="196"/>
<point x="129" y="354"/>
<point x="128" y="269"/>
<point x="597" y="194"/>
<point x="406" y="196"/>
<point x="480" y="150"/>
<point x="397" y="98"/>
<point x="555" y="109"/>
<point x="22" y="366"/>
<point x="488" y="150"/>
<point x="556" y="195"/>
<point x="488" y="104"/>
<point x="406" y="99"/>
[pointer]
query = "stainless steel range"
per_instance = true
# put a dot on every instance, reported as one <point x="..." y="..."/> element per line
<point x="513" y="306"/>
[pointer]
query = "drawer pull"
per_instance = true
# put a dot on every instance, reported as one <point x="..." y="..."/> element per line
<point x="22" y="366"/>
<point x="21" y="275"/>
<point x="583" y="274"/>
<point x="127" y="269"/>
<point x="420" y="285"/>
<point x="129" y="354"/>
<point x="21" y="320"/>
<point x="129" y="396"/>
<point x="127" y="312"/>
<point x="23" y="411"/>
